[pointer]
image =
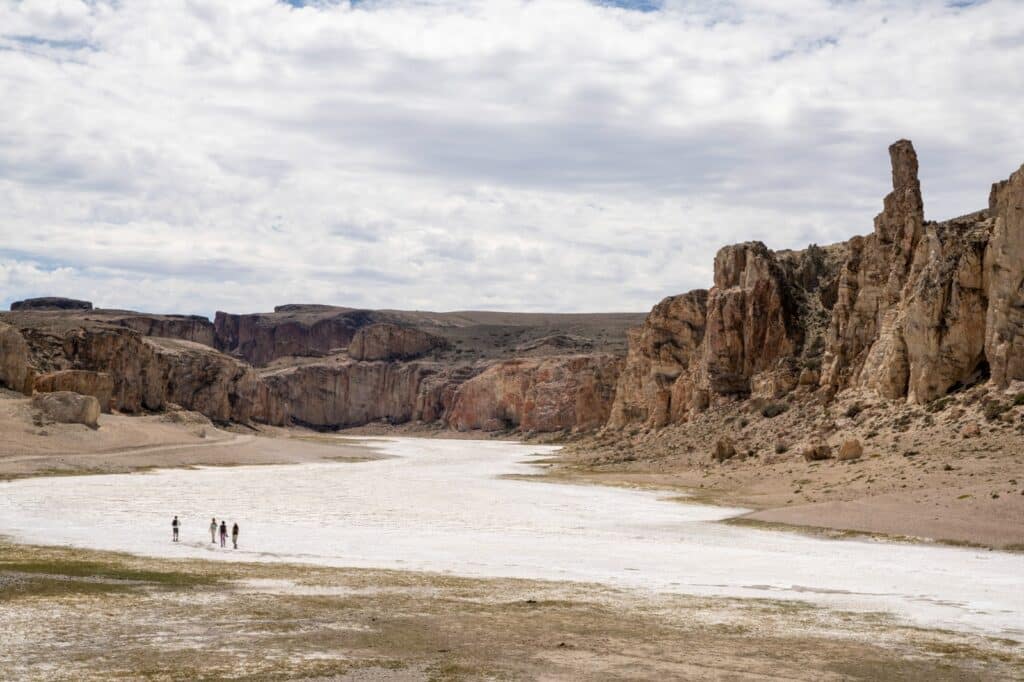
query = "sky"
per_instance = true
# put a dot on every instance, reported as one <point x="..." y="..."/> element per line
<point x="539" y="155"/>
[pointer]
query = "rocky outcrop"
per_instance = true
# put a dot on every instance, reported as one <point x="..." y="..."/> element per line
<point x="217" y="386"/>
<point x="16" y="372"/>
<point x="148" y="373"/>
<point x="99" y="385"/>
<point x="194" y="328"/>
<point x="65" y="407"/>
<point x="657" y="382"/>
<point x="334" y="395"/>
<point x="1004" y="281"/>
<point x="51" y="303"/>
<point x="290" y="330"/>
<point x="551" y="394"/>
<point x="391" y="342"/>
<point x="910" y="312"/>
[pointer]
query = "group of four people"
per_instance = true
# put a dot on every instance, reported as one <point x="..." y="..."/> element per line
<point x="223" y="528"/>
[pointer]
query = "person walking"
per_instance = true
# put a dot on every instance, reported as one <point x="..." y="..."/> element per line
<point x="213" y="530"/>
<point x="175" y="524"/>
<point x="234" y="535"/>
<point x="223" y="534"/>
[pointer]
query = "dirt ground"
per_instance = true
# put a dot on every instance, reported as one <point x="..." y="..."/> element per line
<point x="950" y="472"/>
<point x="80" y="615"/>
<point x="123" y="444"/>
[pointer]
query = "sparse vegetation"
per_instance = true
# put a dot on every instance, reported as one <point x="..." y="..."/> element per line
<point x="772" y="410"/>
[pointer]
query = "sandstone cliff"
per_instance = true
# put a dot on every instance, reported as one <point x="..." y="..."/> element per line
<point x="551" y="394"/>
<point x="909" y="312"/>
<point x="144" y="373"/>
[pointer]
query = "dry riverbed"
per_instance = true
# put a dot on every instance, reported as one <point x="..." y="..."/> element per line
<point x="75" y="614"/>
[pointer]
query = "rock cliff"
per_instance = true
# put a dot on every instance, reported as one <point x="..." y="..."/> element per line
<point x="911" y="311"/>
<point x="144" y="373"/>
<point x="550" y="394"/>
<point x="291" y="330"/>
<point x="391" y="342"/>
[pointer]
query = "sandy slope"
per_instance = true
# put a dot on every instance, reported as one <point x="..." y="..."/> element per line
<point x="123" y="443"/>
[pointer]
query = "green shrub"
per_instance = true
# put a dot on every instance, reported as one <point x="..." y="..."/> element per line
<point x="853" y="410"/>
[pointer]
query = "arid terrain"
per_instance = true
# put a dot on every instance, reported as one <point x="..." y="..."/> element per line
<point x="872" y="388"/>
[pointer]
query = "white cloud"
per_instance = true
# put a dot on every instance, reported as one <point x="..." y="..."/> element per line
<point x="553" y="154"/>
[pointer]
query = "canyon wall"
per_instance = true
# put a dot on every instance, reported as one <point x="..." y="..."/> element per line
<point x="909" y="312"/>
<point x="291" y="330"/>
<point x="133" y="373"/>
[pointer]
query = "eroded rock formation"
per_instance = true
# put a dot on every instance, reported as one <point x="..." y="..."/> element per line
<point x="16" y="372"/>
<point x="551" y="394"/>
<point x="910" y="311"/>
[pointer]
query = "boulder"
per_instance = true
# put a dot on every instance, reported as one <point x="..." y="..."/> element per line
<point x="816" y="452"/>
<point x="65" y="407"/>
<point x="99" y="385"/>
<point x="851" y="449"/>
<point x="971" y="430"/>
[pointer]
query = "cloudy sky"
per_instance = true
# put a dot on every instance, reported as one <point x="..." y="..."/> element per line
<point x="565" y="155"/>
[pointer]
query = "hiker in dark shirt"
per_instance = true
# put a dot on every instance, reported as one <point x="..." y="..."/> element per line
<point x="223" y="533"/>
<point x="174" y="529"/>
<point x="234" y="535"/>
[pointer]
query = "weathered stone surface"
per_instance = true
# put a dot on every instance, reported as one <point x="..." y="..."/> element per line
<point x="910" y="312"/>
<point x="865" y="334"/>
<point x="147" y="373"/>
<point x="655" y="385"/>
<point x="51" y="303"/>
<point x="351" y="393"/>
<point x="16" y="371"/>
<point x="222" y="388"/>
<point x="819" y="451"/>
<point x="1004" y="281"/>
<point x="391" y="342"/>
<point x="193" y="328"/>
<point x="290" y="330"/>
<point x="751" y="319"/>
<point x="65" y="407"/>
<point x="851" y="449"/>
<point x="550" y="394"/>
<point x="99" y="385"/>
